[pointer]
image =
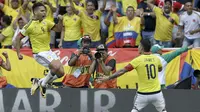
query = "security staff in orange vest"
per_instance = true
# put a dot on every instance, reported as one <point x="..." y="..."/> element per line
<point x="80" y="61"/>
<point x="103" y="64"/>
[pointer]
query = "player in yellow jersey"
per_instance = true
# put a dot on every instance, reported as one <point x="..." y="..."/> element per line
<point x="147" y="67"/>
<point x="38" y="30"/>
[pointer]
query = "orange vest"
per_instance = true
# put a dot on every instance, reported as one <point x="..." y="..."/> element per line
<point x="108" y="84"/>
<point x="3" y="81"/>
<point x="83" y="63"/>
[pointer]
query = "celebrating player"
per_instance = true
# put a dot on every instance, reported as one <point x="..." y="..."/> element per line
<point x="147" y="67"/>
<point x="38" y="30"/>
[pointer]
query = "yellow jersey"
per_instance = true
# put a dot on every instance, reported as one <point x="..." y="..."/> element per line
<point x="91" y="24"/>
<point x="72" y="26"/>
<point x="8" y="3"/>
<point x="147" y="70"/>
<point x="11" y="12"/>
<point x="39" y="34"/>
<point x="164" y="25"/>
<point x="8" y="33"/>
<point x="127" y="31"/>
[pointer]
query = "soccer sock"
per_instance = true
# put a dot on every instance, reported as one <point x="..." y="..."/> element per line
<point x="46" y="79"/>
<point x="53" y="78"/>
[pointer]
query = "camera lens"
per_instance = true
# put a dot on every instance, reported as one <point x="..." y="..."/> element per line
<point x="86" y="50"/>
<point x="97" y="55"/>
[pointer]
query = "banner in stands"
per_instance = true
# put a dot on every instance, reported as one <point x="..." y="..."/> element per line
<point x="91" y="100"/>
<point x="23" y="70"/>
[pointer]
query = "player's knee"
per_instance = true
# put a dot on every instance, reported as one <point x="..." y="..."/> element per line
<point x="61" y="72"/>
<point x="55" y="65"/>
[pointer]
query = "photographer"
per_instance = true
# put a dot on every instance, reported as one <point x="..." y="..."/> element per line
<point x="103" y="64"/>
<point x="80" y="61"/>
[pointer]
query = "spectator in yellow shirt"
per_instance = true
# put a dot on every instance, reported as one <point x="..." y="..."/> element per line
<point x="71" y="31"/>
<point x="165" y="21"/>
<point x="14" y="10"/>
<point x="7" y="33"/>
<point x="91" y="21"/>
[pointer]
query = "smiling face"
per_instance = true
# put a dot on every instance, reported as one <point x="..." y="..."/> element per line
<point x="188" y="7"/>
<point x="90" y="7"/>
<point x="167" y="7"/>
<point x="14" y="4"/>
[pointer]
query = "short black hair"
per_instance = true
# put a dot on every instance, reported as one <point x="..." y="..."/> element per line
<point x="36" y="5"/>
<point x="130" y="7"/>
<point x="95" y="2"/>
<point x="196" y="73"/>
<point x="170" y="1"/>
<point x="19" y="19"/>
<point x="188" y="1"/>
<point x="146" y="44"/>
<point x="7" y="19"/>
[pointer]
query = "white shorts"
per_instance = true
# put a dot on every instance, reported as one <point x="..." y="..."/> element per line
<point x="45" y="58"/>
<point x="141" y="101"/>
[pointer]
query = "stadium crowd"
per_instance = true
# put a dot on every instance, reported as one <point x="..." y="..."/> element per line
<point x="116" y="23"/>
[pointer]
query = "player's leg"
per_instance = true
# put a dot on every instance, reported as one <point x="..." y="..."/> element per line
<point x="36" y="82"/>
<point x="56" y="71"/>
<point x="140" y="101"/>
<point x="51" y="61"/>
<point x="159" y="102"/>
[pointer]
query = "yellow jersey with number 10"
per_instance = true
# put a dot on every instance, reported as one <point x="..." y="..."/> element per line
<point x="147" y="70"/>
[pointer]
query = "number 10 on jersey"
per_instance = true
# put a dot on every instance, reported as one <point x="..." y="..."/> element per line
<point x="151" y="71"/>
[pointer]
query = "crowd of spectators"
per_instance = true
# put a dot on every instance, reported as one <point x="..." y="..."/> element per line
<point x="115" y="23"/>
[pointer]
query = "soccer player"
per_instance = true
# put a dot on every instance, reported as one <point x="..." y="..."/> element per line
<point x="38" y="30"/>
<point x="147" y="67"/>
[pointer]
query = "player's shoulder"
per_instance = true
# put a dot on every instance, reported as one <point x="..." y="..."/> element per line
<point x="28" y="25"/>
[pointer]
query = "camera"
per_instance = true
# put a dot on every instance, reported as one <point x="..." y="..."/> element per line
<point x="86" y="50"/>
<point x="97" y="55"/>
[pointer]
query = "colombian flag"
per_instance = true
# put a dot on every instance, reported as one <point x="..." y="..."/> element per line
<point x="111" y="43"/>
<point x="192" y="62"/>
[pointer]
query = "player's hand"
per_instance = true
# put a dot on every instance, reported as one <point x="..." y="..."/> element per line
<point x="5" y="54"/>
<point x="20" y="57"/>
<point x="190" y="47"/>
<point x="102" y="79"/>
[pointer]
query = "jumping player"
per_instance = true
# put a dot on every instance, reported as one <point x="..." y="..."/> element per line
<point x="38" y="30"/>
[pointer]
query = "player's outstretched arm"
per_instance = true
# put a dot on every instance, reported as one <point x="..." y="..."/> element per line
<point x="118" y="73"/>
<point x="170" y="56"/>
<point x="115" y="75"/>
